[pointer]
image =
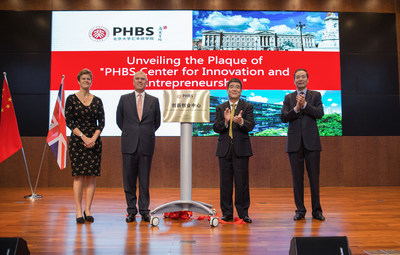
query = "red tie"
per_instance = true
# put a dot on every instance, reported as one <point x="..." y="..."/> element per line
<point x="140" y="106"/>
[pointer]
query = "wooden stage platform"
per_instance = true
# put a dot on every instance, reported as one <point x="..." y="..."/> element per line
<point x="368" y="216"/>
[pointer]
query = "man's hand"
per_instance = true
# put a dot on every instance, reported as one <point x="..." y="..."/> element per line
<point x="238" y="118"/>
<point x="301" y="100"/>
<point x="227" y="115"/>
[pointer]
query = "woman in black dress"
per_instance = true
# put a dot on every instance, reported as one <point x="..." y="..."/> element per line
<point x="84" y="115"/>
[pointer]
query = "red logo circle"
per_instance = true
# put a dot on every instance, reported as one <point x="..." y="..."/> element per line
<point x="98" y="34"/>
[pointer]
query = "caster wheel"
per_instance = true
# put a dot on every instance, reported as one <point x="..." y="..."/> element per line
<point x="214" y="221"/>
<point x="154" y="221"/>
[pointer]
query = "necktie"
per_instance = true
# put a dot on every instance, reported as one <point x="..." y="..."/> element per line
<point x="140" y="106"/>
<point x="230" y="121"/>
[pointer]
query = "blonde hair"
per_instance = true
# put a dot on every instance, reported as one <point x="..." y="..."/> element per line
<point x="85" y="71"/>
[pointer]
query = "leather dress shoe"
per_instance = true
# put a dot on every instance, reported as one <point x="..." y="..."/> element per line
<point x="298" y="216"/>
<point x="146" y="217"/>
<point x="227" y="218"/>
<point x="89" y="218"/>
<point x="130" y="218"/>
<point x="80" y="220"/>
<point x="319" y="216"/>
<point x="247" y="219"/>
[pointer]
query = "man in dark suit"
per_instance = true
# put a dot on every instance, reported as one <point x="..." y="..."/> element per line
<point x="138" y="116"/>
<point x="234" y="120"/>
<point x="301" y="109"/>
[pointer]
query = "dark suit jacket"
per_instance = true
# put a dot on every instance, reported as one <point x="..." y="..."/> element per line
<point x="303" y="125"/>
<point x="136" y="132"/>
<point x="241" y="139"/>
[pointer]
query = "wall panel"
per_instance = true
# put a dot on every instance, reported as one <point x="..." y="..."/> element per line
<point x="345" y="161"/>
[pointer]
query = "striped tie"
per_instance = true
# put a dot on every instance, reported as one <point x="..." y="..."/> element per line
<point x="140" y="106"/>
<point x="230" y="121"/>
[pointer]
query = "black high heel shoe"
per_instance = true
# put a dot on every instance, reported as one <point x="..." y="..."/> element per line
<point x="80" y="220"/>
<point x="88" y="218"/>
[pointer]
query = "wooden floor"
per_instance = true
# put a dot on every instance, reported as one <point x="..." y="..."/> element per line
<point x="368" y="216"/>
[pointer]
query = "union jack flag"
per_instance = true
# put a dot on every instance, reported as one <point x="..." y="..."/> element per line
<point x="57" y="138"/>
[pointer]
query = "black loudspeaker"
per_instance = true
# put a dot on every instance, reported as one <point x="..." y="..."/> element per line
<point x="329" y="245"/>
<point x="13" y="246"/>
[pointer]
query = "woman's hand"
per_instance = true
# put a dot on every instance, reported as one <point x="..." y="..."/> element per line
<point x="88" y="142"/>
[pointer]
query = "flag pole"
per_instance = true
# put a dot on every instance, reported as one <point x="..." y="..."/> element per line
<point x="34" y="195"/>
<point x="23" y="152"/>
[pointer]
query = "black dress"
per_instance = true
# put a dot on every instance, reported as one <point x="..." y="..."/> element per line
<point x="88" y="119"/>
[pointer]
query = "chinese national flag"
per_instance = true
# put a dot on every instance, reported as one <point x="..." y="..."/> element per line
<point x="10" y="141"/>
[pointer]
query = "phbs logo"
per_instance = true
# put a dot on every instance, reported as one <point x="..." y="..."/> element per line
<point x="185" y="96"/>
<point x="99" y="34"/>
<point x="138" y="33"/>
